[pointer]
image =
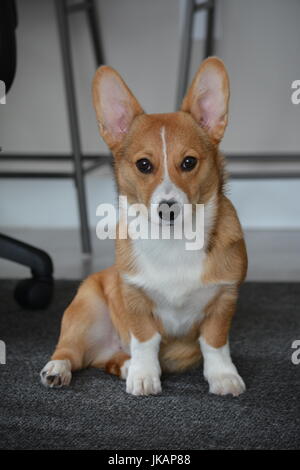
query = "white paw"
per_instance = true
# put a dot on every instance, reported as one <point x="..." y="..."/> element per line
<point x="226" y="384"/>
<point x="141" y="381"/>
<point x="56" y="373"/>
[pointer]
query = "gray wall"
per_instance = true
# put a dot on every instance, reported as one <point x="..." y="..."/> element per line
<point x="259" y="42"/>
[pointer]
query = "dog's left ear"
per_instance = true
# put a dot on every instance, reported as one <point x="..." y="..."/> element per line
<point x="208" y="96"/>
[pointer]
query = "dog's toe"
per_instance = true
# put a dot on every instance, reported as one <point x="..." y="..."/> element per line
<point x="142" y="382"/>
<point x="226" y="384"/>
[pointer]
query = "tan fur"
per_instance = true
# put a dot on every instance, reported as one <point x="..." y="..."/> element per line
<point x="179" y="355"/>
<point x="227" y="259"/>
<point x="216" y="324"/>
<point x="130" y="309"/>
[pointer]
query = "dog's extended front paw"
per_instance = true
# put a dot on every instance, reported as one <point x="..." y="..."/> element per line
<point x="226" y="384"/>
<point x="141" y="381"/>
<point x="56" y="373"/>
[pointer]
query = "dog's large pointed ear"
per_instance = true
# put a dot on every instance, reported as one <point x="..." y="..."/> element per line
<point x="208" y="96"/>
<point x="115" y="105"/>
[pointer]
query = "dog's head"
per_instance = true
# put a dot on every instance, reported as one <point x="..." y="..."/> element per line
<point x="165" y="158"/>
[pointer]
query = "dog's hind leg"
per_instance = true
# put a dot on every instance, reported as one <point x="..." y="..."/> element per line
<point x="117" y="365"/>
<point x="87" y="336"/>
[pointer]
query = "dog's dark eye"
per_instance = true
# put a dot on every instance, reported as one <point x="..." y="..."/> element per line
<point x="144" y="165"/>
<point x="188" y="163"/>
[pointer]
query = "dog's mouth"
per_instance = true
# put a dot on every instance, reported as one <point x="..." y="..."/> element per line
<point x="167" y="222"/>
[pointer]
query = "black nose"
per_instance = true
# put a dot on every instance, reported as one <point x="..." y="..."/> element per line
<point x="168" y="210"/>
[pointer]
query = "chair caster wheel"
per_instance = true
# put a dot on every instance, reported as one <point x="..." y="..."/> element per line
<point x="34" y="293"/>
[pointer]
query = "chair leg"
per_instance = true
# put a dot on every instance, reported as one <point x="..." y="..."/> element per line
<point x="92" y="16"/>
<point x="37" y="291"/>
<point x="191" y="8"/>
<point x="63" y="27"/>
<point x="185" y="52"/>
<point x="93" y="21"/>
<point x="210" y="26"/>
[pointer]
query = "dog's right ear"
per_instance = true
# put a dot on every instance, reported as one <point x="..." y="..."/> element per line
<point x="115" y="105"/>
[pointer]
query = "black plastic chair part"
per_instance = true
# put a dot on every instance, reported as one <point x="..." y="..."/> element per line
<point x="35" y="292"/>
<point x="8" y="54"/>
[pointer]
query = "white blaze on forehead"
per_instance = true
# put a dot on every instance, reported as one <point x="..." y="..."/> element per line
<point x="167" y="189"/>
<point x="164" y="150"/>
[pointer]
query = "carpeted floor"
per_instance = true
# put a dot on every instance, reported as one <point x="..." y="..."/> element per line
<point x="96" y="413"/>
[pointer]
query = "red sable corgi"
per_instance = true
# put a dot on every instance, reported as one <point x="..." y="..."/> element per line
<point x="161" y="307"/>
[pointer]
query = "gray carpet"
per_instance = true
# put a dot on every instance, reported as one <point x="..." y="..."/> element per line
<point x="96" y="413"/>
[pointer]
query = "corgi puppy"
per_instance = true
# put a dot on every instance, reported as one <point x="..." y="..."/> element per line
<point x="161" y="307"/>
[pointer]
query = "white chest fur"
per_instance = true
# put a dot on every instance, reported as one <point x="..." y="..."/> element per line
<point x="171" y="276"/>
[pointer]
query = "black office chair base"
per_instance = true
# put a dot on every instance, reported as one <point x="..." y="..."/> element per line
<point x="36" y="292"/>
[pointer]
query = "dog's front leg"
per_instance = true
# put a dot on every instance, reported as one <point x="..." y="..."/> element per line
<point x="142" y="371"/>
<point x="218" y="368"/>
